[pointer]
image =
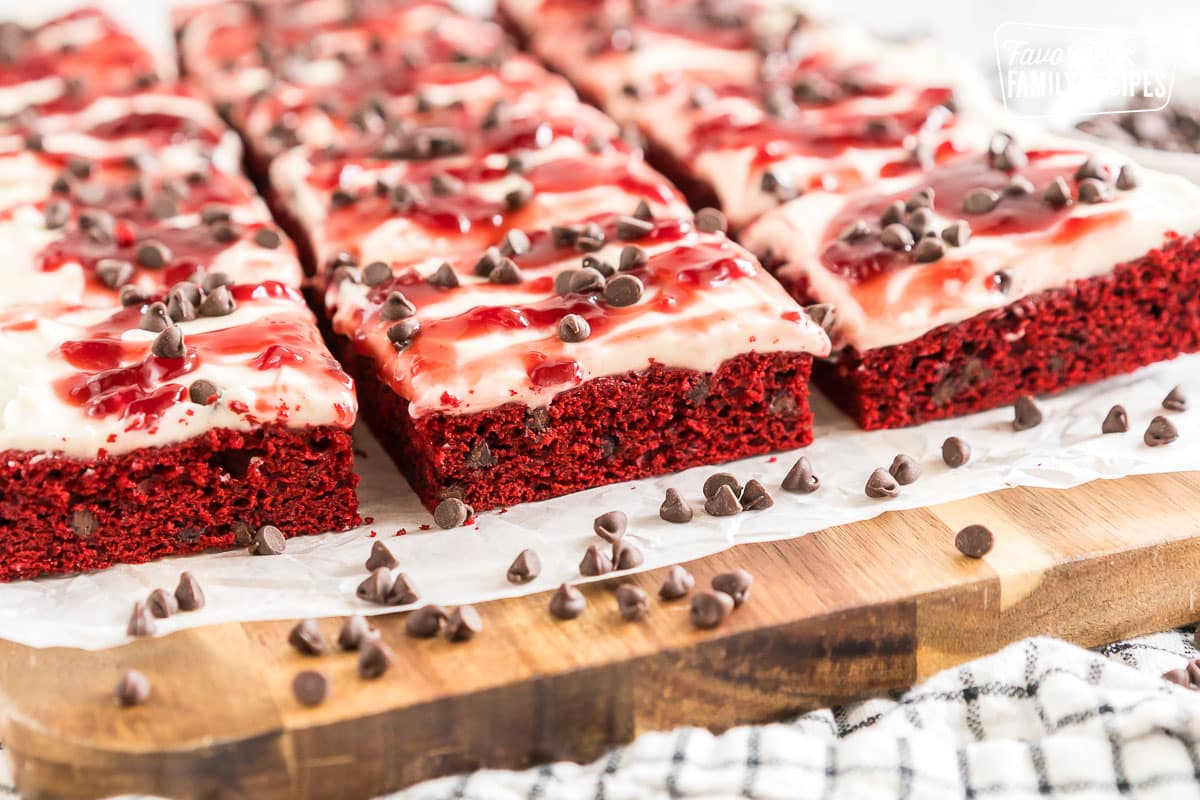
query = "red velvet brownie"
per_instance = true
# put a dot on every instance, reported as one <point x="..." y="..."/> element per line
<point x="991" y="276"/>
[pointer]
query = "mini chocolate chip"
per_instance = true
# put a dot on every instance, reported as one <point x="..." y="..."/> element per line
<point x="589" y="244"/>
<point x="623" y="290"/>
<point x="56" y="214"/>
<point x="188" y="594"/>
<point x="131" y="295"/>
<point x="141" y="622"/>
<point x="376" y="273"/>
<point x="1057" y="193"/>
<point x="584" y="281"/>
<point x="114" y="272"/>
<point x="881" y="485"/>
<point x="375" y="587"/>
<point x="310" y="688"/>
<point x="1019" y="186"/>
<point x="380" y="556"/>
<point x="1094" y="190"/>
<point x="955" y="452"/>
<point x="162" y="603"/>
<point x="677" y="583"/>
<point x="736" y="584"/>
<point x="709" y="609"/>
<point x="824" y="314"/>
<point x="719" y="479"/>
<point x="800" y="478"/>
<point x="213" y="213"/>
<point x="1175" y="400"/>
<point x="444" y="277"/>
<point x="1008" y="158"/>
<point x="631" y="257"/>
<point x="896" y="236"/>
<point x="974" y="541"/>
<point x="674" y="508"/>
<point x="779" y="185"/>
<point x="642" y="211"/>
<point x="957" y="233"/>
<point x="133" y="689"/>
<point x="203" y="392"/>
<point x="451" y="513"/>
<point x="425" y="622"/>
<point x="1026" y="414"/>
<point x="218" y="303"/>
<point x="306" y="637"/>
<point x="1161" y="431"/>
<point x="980" y="201"/>
<point x="922" y="198"/>
<point x="567" y="602"/>
<point x="631" y="228"/>
<point x="442" y="184"/>
<point x="1002" y="280"/>
<point x="1117" y="421"/>
<point x="395" y="307"/>
<point x="402" y="592"/>
<point x="268" y="541"/>
<point x="525" y="567"/>
<point x="611" y="525"/>
<point x="573" y="328"/>
<point x="515" y="243"/>
<point x="929" y="249"/>
<point x="401" y="334"/>
<point x="1091" y="168"/>
<point x="724" y="503"/>
<point x="755" y="497"/>
<point x="463" y="623"/>
<point x="856" y="231"/>
<point x="564" y="235"/>
<point x="341" y="198"/>
<point x="1128" y="178"/>
<point x="153" y="254"/>
<point x="626" y="555"/>
<point x="710" y="220"/>
<point x="214" y="279"/>
<point x="169" y="344"/>
<point x="594" y="562"/>
<point x="268" y="238"/>
<point x="180" y="307"/>
<point x="893" y="214"/>
<point x="537" y="419"/>
<point x="374" y="659"/>
<point x="904" y="469"/>
<point x="155" y="318"/>
<point x="920" y="221"/>
<point x="355" y="632"/>
<point x="632" y="602"/>
<point x="83" y="523"/>
<point x="506" y="272"/>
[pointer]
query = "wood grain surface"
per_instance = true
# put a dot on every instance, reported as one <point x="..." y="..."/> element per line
<point x="835" y="615"/>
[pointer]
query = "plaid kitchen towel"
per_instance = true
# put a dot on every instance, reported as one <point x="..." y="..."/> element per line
<point x="1040" y="718"/>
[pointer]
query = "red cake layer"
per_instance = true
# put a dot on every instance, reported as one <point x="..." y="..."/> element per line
<point x="60" y="514"/>
<point x="1147" y="310"/>
<point x="607" y="430"/>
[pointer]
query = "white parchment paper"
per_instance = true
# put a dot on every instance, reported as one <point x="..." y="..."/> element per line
<point x="317" y="575"/>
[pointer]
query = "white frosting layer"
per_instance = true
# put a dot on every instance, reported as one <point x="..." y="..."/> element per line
<point x="903" y="304"/>
<point x="35" y="416"/>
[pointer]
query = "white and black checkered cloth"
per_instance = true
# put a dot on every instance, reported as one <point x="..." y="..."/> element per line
<point x="1040" y="718"/>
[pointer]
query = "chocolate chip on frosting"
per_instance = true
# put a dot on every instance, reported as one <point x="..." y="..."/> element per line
<point x="180" y="307"/>
<point x="677" y="583"/>
<point x="755" y="496"/>
<point x="169" y="343"/>
<point x="894" y="213"/>
<point x="525" y="567"/>
<point x="957" y="233"/>
<point x="189" y="594"/>
<point x="153" y="254"/>
<point x="214" y="279"/>
<point x="376" y="273"/>
<point x="896" y="236"/>
<point x="980" y="201"/>
<point x="1160" y="432"/>
<point x="155" y="318"/>
<point x="203" y="392"/>
<point x="856" y="231"/>
<point x="114" y="272"/>
<point x="929" y="249"/>
<point x="1091" y="168"/>
<point x="623" y="290"/>
<point x="1019" y="186"/>
<point x="710" y="220"/>
<point x="306" y="638"/>
<point x="396" y="307"/>
<point x="402" y="333"/>
<point x="1116" y="421"/>
<point x="881" y="484"/>
<point x="723" y="503"/>
<point x="268" y="541"/>
<point x="1003" y="154"/>
<point x="463" y="624"/>
<point x="611" y="525"/>
<point x="1026" y="414"/>
<point x="800" y="478"/>
<point x="1057" y="193"/>
<point x="444" y="277"/>
<point x="920" y="222"/>
<point x="425" y="622"/>
<point x="218" y="303"/>
<point x="955" y="452"/>
<point x="573" y="328"/>
<point x="1094" y="190"/>
<point x="268" y="238"/>
<point x="594" y="562"/>
<point x="380" y="556"/>
<point x="709" y="609"/>
<point x="516" y="243"/>
<point x="1175" y="400"/>
<point x="451" y="513"/>
<point x="974" y="541"/>
<point x="631" y="228"/>
<point x="133" y="689"/>
<point x="824" y="314"/>
<point x="443" y="184"/>
<point x="674" y="508"/>
<point x="778" y="184"/>
<point x="506" y="272"/>
<point x="56" y="214"/>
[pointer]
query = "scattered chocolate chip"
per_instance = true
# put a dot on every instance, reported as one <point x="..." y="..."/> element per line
<point x="376" y="273"/>
<point x="955" y="452"/>
<point x="856" y="231"/>
<point x="626" y="555"/>
<point x="153" y="254"/>
<point x="573" y="328"/>
<point x="1007" y="157"/>
<point x="896" y="236"/>
<point x="1091" y="169"/>
<point x="677" y="583"/>
<point x="1019" y="186"/>
<point x="1057" y="193"/>
<point x="920" y="222"/>
<point x="1002" y="281"/>
<point x="881" y="484"/>
<point x="631" y="228"/>
<point x="506" y="272"/>
<point x="133" y="689"/>
<point x="893" y="214"/>
<point x="525" y="567"/>
<point x="632" y="602"/>
<point x="824" y="314"/>
<point x="567" y="602"/>
<point x="1160" y="432"/>
<point x="268" y="541"/>
<point x="709" y="609"/>
<point x="904" y="469"/>
<point x="1094" y="190"/>
<point x="306" y="638"/>
<point x="401" y="334"/>
<point x="974" y="541"/>
<point x="515" y="243"/>
<point x="980" y="201"/>
<point x="217" y="303"/>
<point x="674" y="508"/>
<point x="213" y="214"/>
<point x="957" y="233"/>
<point x="268" y="238"/>
<point x="141" y="621"/>
<point x="114" y="272"/>
<point x="755" y="496"/>
<point x="169" y="344"/>
<point x="131" y="295"/>
<point x="402" y="592"/>
<point x="631" y="257"/>
<point x="444" y="185"/>
<point x="451" y="513"/>
<point x="1175" y="400"/>
<point x="188" y="594"/>
<point x="1188" y="677"/>
<point x="611" y="525"/>
<point x="180" y="307"/>
<point x="214" y="279"/>
<point x="779" y="185"/>
<point x="380" y="556"/>
<point x="800" y="478"/>
<point x="1128" y="178"/>
<point x="929" y="249"/>
<point x="594" y="562"/>
<point x="623" y="290"/>
<point x="155" y="318"/>
<point x="443" y="277"/>
<point x="724" y="503"/>
<point x="736" y="584"/>
<point x="56" y="214"/>
<point x="1117" y="421"/>
<point x="710" y="220"/>
<point x="395" y="307"/>
<point x="375" y="587"/>
<point x="374" y="659"/>
<point x="463" y="623"/>
<point x="225" y="234"/>
<point x="355" y="631"/>
<point x="426" y="621"/>
<point x="310" y="687"/>
<point x="1026" y="414"/>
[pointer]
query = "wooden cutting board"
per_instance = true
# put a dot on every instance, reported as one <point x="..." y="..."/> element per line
<point x="834" y="615"/>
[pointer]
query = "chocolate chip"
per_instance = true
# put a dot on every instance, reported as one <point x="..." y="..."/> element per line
<point x="133" y="689"/>
<point x="451" y="513"/>
<point x="213" y="214"/>
<point x="1026" y="414"/>
<point x="677" y="583"/>
<point x="462" y="625"/>
<point x="922" y="198"/>
<point x="374" y="659"/>
<point x="268" y="238"/>
<point x="155" y="318"/>
<point x="153" y="254"/>
<point x="1175" y="400"/>
<point x="480" y="455"/>
<point x="341" y="198"/>
<point x="395" y="307"/>
<point x="594" y="562"/>
<point x="581" y="281"/>
<point x="920" y="222"/>
<point x="1002" y="281"/>
<point x="180" y="307"/>
<point x="567" y="603"/>
<point x="306" y="638"/>
<point x="904" y="469"/>
<point x="674" y="508"/>
<point x="779" y="185"/>
<point x="131" y="295"/>
<point x="114" y="272"/>
<point x="719" y="479"/>
<point x="587" y="243"/>
<point x="515" y="243"/>
<point x="955" y="452"/>
<point x="896" y="236"/>
<point x="141" y="622"/>
<point x="268" y="541"/>
<point x="1161" y="432"/>
<point x="1091" y="169"/>
<point x="525" y="567"/>
<point x="893" y="214"/>
<point x="355" y="632"/>
<point x="881" y="484"/>
<point x="1019" y="186"/>
<point x="188" y="594"/>
<point x="1007" y="157"/>
<point x="980" y="201"/>
<point x="1128" y="178"/>
<point x="736" y="584"/>
<point x="218" y="303"/>
<point x="1117" y="421"/>
<point x="1188" y="677"/>
<point x="376" y="273"/>
<point x="402" y="592"/>
<point x="375" y="587"/>
<point x="974" y="541"/>
<point x="724" y="503"/>
<point x="56" y="214"/>
<point x="631" y="257"/>
<point x="1057" y="193"/>
<point x="83" y="523"/>
<point x="626" y="555"/>
<point x="573" y="328"/>
<point x="380" y="556"/>
<point x="929" y="249"/>
<point x="632" y="602"/>
<point x="169" y="344"/>
<point x="957" y="233"/>
<point x="800" y="478"/>
<point x="631" y="228"/>
<point x="443" y="185"/>
<point x="402" y="333"/>
<point x="506" y="272"/>
<point x="1094" y="190"/>
<point x="824" y="314"/>
<point x="709" y="609"/>
<point x="710" y="220"/>
<point x="444" y="277"/>
<point x="310" y="687"/>
<point x="623" y="290"/>
<point x="425" y="622"/>
<point x="564" y="235"/>
<point x="856" y="231"/>
<point x="214" y="279"/>
<point x="755" y="497"/>
<point x="162" y="603"/>
<point x="343" y="274"/>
